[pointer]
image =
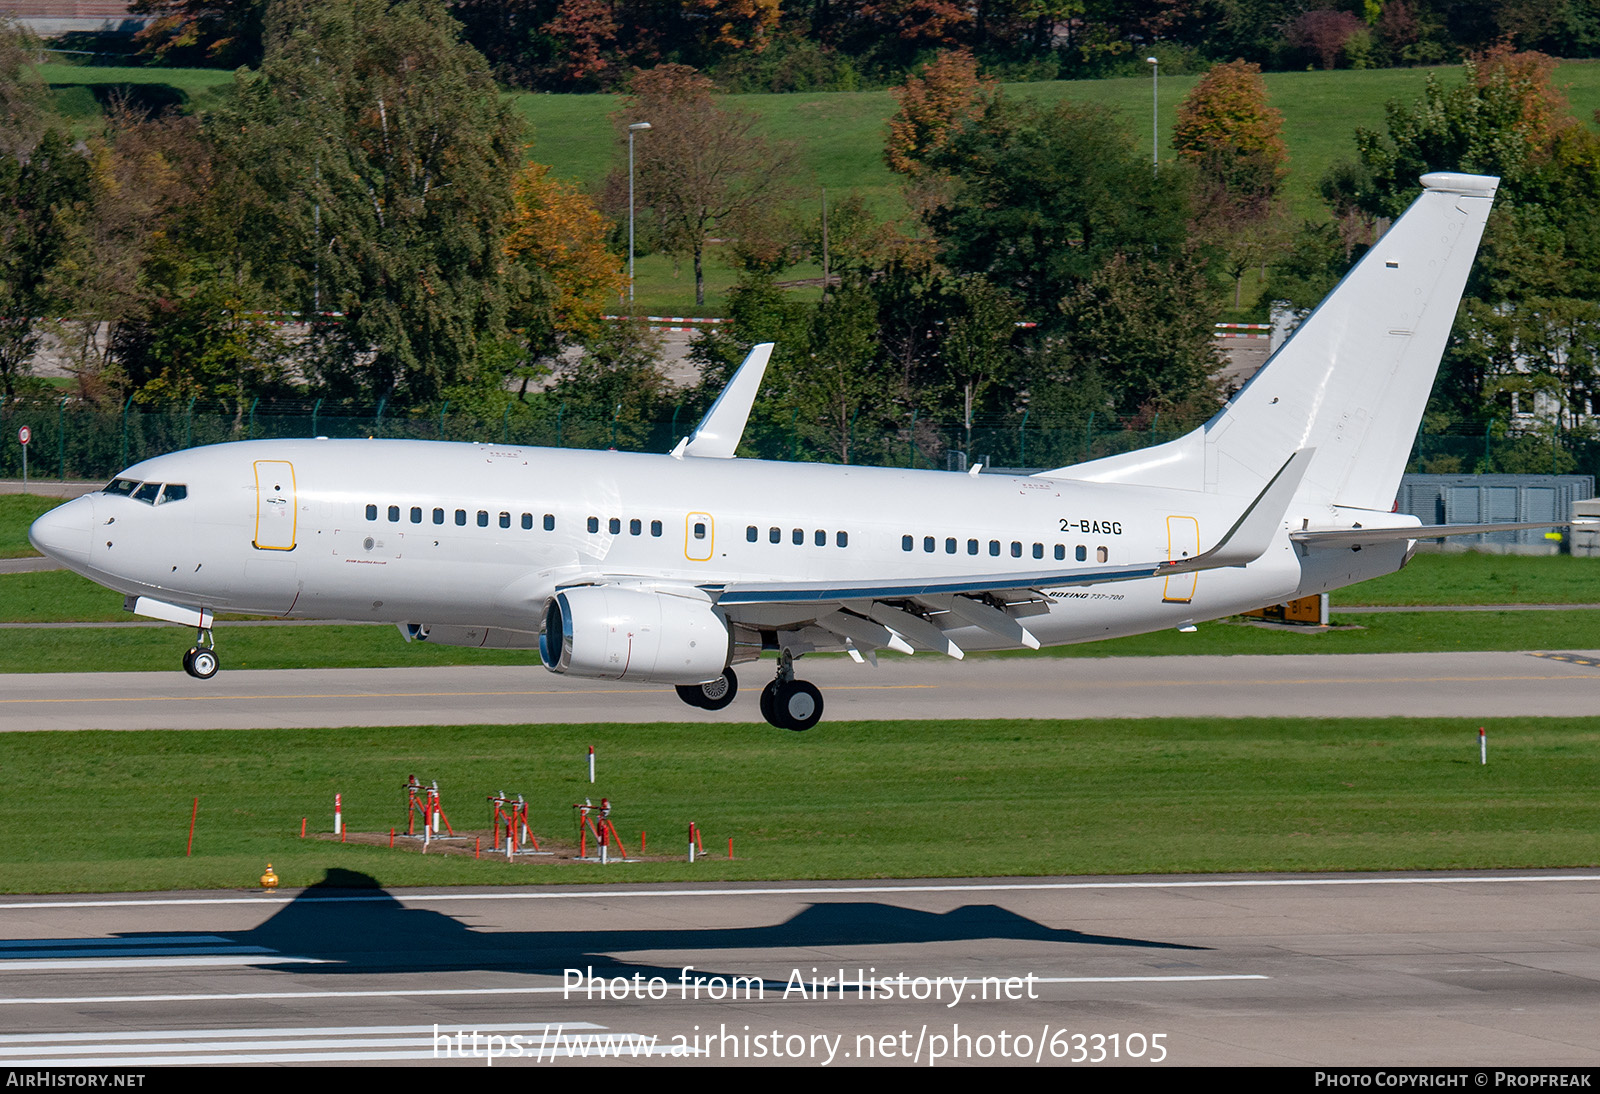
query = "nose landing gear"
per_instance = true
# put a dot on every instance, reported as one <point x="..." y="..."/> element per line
<point x="201" y="660"/>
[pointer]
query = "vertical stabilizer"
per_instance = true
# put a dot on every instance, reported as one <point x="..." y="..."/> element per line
<point x="1353" y="380"/>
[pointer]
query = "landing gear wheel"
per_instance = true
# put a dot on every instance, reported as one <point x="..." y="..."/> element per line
<point x="200" y="663"/>
<point x="795" y="705"/>
<point x="712" y="695"/>
<point x="769" y="704"/>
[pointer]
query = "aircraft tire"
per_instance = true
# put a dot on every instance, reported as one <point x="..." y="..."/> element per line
<point x="691" y="694"/>
<point x="769" y="705"/>
<point x="201" y="664"/>
<point x="799" y="705"/>
<point x="719" y="692"/>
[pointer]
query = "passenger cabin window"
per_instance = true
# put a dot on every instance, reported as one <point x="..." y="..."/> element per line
<point x="699" y="530"/>
<point x="821" y="538"/>
<point x="1061" y="553"/>
<point x="905" y="543"/>
<point x="775" y="535"/>
<point x="549" y="522"/>
<point x="655" y="529"/>
<point x="1016" y="549"/>
<point x="1038" y="550"/>
<point x="527" y="522"/>
<point x="372" y="512"/>
<point x="842" y="539"/>
<point x="394" y="514"/>
<point x="799" y="537"/>
<point x="461" y="518"/>
<point x="1101" y="554"/>
<point x="1082" y="553"/>
<point x="483" y="518"/>
<point x="505" y="520"/>
<point x="635" y="527"/>
<point x="751" y="535"/>
<point x="416" y="514"/>
<point x="994" y="547"/>
<point x="438" y="516"/>
<point x="972" y="546"/>
<point x="594" y="524"/>
<point x="950" y="546"/>
<point x="614" y="525"/>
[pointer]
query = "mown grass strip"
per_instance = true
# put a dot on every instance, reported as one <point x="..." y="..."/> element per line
<point x="91" y="811"/>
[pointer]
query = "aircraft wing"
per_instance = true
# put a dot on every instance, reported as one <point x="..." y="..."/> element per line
<point x="902" y="606"/>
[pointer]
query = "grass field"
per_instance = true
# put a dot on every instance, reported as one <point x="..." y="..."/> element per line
<point x="839" y="137"/>
<point x="110" y="811"/>
<point x="17" y="511"/>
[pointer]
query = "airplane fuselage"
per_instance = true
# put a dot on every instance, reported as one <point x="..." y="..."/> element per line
<point x="482" y="535"/>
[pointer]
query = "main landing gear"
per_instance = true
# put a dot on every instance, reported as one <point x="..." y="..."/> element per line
<point x="789" y="703"/>
<point x="712" y="695"/>
<point x="201" y="660"/>
<point x="786" y="702"/>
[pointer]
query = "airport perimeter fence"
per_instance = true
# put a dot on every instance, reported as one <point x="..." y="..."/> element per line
<point x="71" y="441"/>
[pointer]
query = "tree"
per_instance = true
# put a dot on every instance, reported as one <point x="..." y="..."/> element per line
<point x="701" y="165"/>
<point x="559" y="237"/>
<point x="226" y="33"/>
<point x="391" y="155"/>
<point x="1234" y="140"/>
<point x="1046" y="196"/>
<point x="41" y="194"/>
<point x="933" y="106"/>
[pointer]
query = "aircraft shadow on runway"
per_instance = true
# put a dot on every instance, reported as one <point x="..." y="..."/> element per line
<point x="348" y="924"/>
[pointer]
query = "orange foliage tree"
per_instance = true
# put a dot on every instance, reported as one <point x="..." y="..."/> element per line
<point x="559" y="239"/>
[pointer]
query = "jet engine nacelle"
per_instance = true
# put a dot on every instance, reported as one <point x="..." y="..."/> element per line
<point x="615" y="633"/>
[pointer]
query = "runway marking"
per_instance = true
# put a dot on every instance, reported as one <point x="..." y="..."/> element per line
<point x="327" y="1045"/>
<point x="410" y="993"/>
<point x="843" y="890"/>
<point x="245" y="957"/>
<point x="413" y="695"/>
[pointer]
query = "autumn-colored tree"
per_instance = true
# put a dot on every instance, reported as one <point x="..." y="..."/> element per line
<point x="1323" y="34"/>
<point x="1234" y="139"/>
<point x="701" y="165"/>
<point x="1227" y="130"/>
<point x="197" y="32"/>
<point x="586" y="33"/>
<point x="735" y="24"/>
<point x="559" y="236"/>
<point x="933" y="105"/>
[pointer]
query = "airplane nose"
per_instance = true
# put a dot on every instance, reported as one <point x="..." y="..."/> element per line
<point x="63" y="532"/>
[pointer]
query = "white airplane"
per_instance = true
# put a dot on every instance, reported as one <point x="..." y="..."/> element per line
<point x="675" y="568"/>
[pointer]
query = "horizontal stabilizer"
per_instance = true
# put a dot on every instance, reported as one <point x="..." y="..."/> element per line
<point x="1357" y="537"/>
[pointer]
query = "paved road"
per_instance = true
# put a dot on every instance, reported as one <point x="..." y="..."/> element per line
<point x="1466" y="685"/>
<point x="1464" y="971"/>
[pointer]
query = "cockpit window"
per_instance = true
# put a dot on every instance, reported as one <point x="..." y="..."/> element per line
<point x="175" y="491"/>
<point x="147" y="493"/>
<point x="123" y="487"/>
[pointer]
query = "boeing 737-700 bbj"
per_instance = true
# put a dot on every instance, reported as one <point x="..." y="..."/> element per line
<point x="675" y="568"/>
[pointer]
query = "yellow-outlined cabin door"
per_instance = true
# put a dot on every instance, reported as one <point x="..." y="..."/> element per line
<point x="276" y="515"/>
<point x="699" y="537"/>
<point x="1183" y="541"/>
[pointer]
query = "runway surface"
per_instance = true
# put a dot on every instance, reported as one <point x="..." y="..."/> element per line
<point x="1467" y="685"/>
<point x="1460" y="970"/>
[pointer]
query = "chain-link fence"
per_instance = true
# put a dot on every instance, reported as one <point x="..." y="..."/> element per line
<point x="71" y="441"/>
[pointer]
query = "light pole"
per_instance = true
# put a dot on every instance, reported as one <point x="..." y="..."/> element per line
<point x="1155" y="114"/>
<point x="636" y="127"/>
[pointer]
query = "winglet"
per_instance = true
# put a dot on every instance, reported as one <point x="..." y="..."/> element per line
<point x="717" y="435"/>
<point x="1257" y="526"/>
